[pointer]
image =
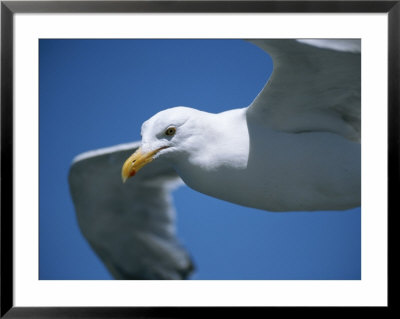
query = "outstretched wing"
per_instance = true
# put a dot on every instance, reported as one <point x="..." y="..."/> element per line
<point x="315" y="86"/>
<point x="130" y="226"/>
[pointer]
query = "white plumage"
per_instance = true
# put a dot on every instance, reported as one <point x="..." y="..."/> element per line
<point x="295" y="148"/>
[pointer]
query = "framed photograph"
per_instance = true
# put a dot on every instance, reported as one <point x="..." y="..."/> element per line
<point x="92" y="90"/>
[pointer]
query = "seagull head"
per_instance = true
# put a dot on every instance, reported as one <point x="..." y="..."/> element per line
<point x="168" y="133"/>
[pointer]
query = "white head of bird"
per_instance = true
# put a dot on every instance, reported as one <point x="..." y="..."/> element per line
<point x="192" y="141"/>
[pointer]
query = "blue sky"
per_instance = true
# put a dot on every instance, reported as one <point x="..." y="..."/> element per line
<point x="97" y="93"/>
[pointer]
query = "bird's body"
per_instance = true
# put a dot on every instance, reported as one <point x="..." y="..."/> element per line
<point x="295" y="148"/>
<point x="229" y="161"/>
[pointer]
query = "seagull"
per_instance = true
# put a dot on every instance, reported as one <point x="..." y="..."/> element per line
<point x="296" y="147"/>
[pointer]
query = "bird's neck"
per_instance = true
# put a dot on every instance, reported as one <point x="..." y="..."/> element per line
<point x="223" y="151"/>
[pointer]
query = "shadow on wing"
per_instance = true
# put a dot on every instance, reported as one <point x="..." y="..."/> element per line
<point x="130" y="226"/>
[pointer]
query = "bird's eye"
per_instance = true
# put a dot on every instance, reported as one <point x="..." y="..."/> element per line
<point x="170" y="131"/>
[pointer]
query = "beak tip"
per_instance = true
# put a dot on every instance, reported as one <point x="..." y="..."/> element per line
<point x="125" y="176"/>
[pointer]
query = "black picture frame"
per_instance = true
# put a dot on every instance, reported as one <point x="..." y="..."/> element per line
<point x="9" y="8"/>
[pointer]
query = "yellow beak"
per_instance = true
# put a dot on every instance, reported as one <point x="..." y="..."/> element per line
<point x="136" y="161"/>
